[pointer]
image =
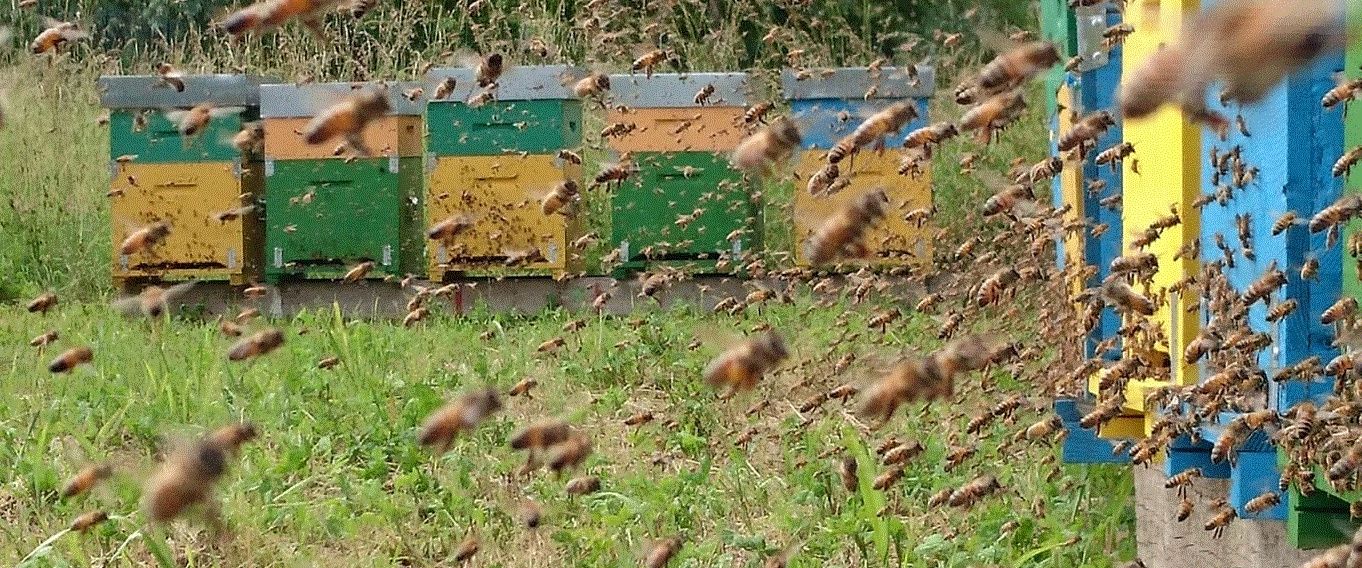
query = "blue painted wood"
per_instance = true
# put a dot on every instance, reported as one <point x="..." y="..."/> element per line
<point x="1097" y="90"/>
<point x="1082" y="445"/>
<point x="1255" y="474"/>
<point x="820" y="122"/>
<point x="1183" y="454"/>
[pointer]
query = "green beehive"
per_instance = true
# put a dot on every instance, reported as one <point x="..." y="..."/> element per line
<point x="683" y="206"/>
<point x="533" y="111"/>
<point x="139" y="126"/>
<point x="1058" y="25"/>
<point x="326" y="216"/>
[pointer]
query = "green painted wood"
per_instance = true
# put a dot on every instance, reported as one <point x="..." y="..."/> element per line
<point x="645" y="208"/>
<point x="537" y="127"/>
<point x="1352" y="137"/>
<point x="1318" y="520"/>
<point x="358" y="211"/>
<point x="1057" y="24"/>
<point x="160" y="142"/>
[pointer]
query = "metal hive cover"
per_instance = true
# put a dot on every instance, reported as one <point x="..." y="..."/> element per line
<point x="854" y="82"/>
<point x="290" y="100"/>
<point x="517" y="83"/>
<point x="147" y="91"/>
<point x="672" y="90"/>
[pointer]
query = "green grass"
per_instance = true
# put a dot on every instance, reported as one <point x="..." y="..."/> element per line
<point x="336" y="476"/>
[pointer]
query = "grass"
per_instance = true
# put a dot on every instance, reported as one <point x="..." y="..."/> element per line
<point x="337" y="478"/>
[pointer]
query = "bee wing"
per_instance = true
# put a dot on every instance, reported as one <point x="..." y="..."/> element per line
<point x="176" y="116"/>
<point x="995" y="40"/>
<point x="717" y="339"/>
<point x="219" y="112"/>
<point x="6" y="34"/>
<point x="467" y="58"/>
<point x="178" y="290"/>
<point x="128" y="305"/>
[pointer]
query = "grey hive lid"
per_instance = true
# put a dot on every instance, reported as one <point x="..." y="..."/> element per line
<point x="854" y="82"/>
<point x="290" y="100"/>
<point x="147" y="91"/>
<point x="671" y="90"/>
<point x="517" y="83"/>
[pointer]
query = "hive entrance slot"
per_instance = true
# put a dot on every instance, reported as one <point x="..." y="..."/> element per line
<point x="179" y="266"/>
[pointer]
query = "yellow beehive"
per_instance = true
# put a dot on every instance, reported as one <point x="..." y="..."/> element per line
<point x="1071" y="187"/>
<point x="1169" y="174"/>
<point x="895" y="240"/>
<point x="502" y="195"/>
<point x="189" y="197"/>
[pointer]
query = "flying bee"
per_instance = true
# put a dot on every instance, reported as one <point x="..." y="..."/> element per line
<point x="194" y="121"/>
<point x="888" y="478"/>
<point x="1345" y="163"/>
<point x="842" y="234"/>
<point x="757" y="113"/>
<point x="661" y="552"/>
<point x="55" y="37"/>
<point x="145" y="238"/>
<point x="1042" y="170"/>
<point x="187" y="476"/>
<point x="257" y="344"/>
<point x="616" y="173"/>
<point x="153" y="301"/>
<point x="991" y="290"/>
<point x="767" y="147"/>
<point x="1087" y="130"/>
<point x="1345" y="91"/>
<point x="1126" y="299"/>
<point x="992" y="114"/>
<point x="903" y="452"/>
<point x="42" y="303"/>
<point x="1221" y="520"/>
<point x="874" y="130"/>
<point x="929" y="136"/>
<point x="1184" y="511"/>
<point x="970" y="493"/>
<point x="702" y="96"/>
<point x="445" y="89"/>
<point x="450" y="228"/>
<point x="593" y="85"/>
<point x="1262" y="502"/>
<point x="1343" y="309"/>
<point x="926" y="378"/>
<point x="358" y="272"/>
<point x="489" y="70"/>
<point x="1183" y="480"/>
<point x="348" y="119"/>
<point x="467" y="549"/>
<point x="1282" y="309"/>
<point x="86" y="480"/>
<point x="1260" y="289"/>
<point x="584" y="485"/>
<point x="250" y="140"/>
<point x="88" y="520"/>
<point x="1016" y="66"/>
<point x="541" y="435"/>
<point x="44" y="340"/>
<point x="822" y="179"/>
<point x="70" y="359"/>
<point x="1112" y="156"/>
<point x="1284" y="222"/>
<point x="739" y="368"/>
<point x="1044" y="428"/>
<point x="560" y="199"/>
<point x="168" y="76"/>
<point x="1310" y="269"/>
<point x="569" y="454"/>
<point x="648" y="61"/>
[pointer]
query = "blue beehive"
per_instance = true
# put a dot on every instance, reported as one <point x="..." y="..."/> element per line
<point x="830" y="104"/>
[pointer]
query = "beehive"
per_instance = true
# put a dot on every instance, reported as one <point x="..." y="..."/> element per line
<point x="159" y="175"/>
<point x="495" y="163"/>
<point x="332" y="210"/>
<point x="1166" y="176"/>
<point x="685" y="203"/>
<point x="830" y="105"/>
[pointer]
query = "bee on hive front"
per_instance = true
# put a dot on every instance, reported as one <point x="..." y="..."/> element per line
<point x="874" y="130"/>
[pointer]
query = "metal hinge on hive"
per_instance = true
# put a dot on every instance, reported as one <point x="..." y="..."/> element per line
<point x="269" y="168"/>
<point x="551" y="252"/>
<point x="387" y="255"/>
<point x="278" y="257"/>
<point x="624" y="251"/>
<point x="231" y="258"/>
<point x="394" y="164"/>
<point x="430" y="162"/>
<point x="737" y="248"/>
<point x="236" y="168"/>
<point x="1091" y="24"/>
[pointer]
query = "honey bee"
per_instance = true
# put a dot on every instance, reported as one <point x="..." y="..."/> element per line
<point x="168" y="76"/>
<point x="1185" y="507"/>
<point x="563" y="196"/>
<point x="1087" y="130"/>
<point x="187" y="476"/>
<point x="903" y="452"/>
<point x="257" y="344"/>
<point x="467" y="549"/>
<point x="145" y="238"/>
<point x="56" y="36"/>
<point x="929" y="136"/>
<point x="1344" y="92"/>
<point x="250" y="140"/>
<point x="86" y="480"/>
<point x="1044" y="428"/>
<point x="194" y="121"/>
<point x="739" y="368"/>
<point x="841" y="235"/>
<point x="88" y="520"/>
<point x="449" y="228"/>
<point x="638" y="419"/>
<point x="415" y="316"/>
<point x="584" y="485"/>
<point x="541" y="435"/>
<point x="42" y="303"/>
<point x="970" y="493"/>
<point x="530" y="514"/>
<point x="1183" y="480"/>
<point x="1343" y="309"/>
<point x="358" y="272"/>
<point x="571" y="453"/>
<point x="1221" y="520"/>
<point x="757" y="113"/>
<point x="822" y="179"/>
<point x="348" y="119"/>
<point x="702" y="96"/>
<point x="44" y="340"/>
<point x="1126" y="299"/>
<point x="888" y="478"/>
<point x="991" y="290"/>
<point x="873" y="130"/>
<point x="1016" y="66"/>
<point x="648" y="61"/>
<point x="767" y="147"/>
<point x="1262" y="502"/>
<point x="1284" y="222"/>
<point x="1345" y="163"/>
<point x="1310" y="269"/>
<point x="551" y="346"/>
<point x="70" y="359"/>
<point x="616" y="173"/>
<point x="445" y="89"/>
<point x="593" y="85"/>
<point x="153" y="301"/>
<point x="414" y="95"/>
<point x="1263" y="287"/>
<point x="1340" y="211"/>
<point x="926" y="378"/>
<point x="661" y="552"/>
<point x="1112" y="156"/>
<point x="992" y="114"/>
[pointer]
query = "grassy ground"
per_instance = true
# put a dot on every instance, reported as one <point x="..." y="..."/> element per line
<point x="336" y="477"/>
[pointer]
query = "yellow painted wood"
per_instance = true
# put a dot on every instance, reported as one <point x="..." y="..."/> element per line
<point x="894" y="241"/>
<point x="692" y="129"/>
<point x="1165" y="171"/>
<point x="188" y="196"/>
<point x="1071" y="189"/>
<point x="400" y="136"/>
<point x="502" y="194"/>
<point x="1123" y="427"/>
